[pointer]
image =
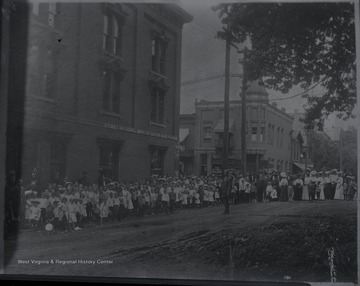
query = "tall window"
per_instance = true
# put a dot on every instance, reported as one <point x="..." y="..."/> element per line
<point x="269" y="134"/>
<point x="111" y="91"/>
<point x="203" y="161"/>
<point x="52" y="14"/>
<point x="262" y="133"/>
<point x="254" y="130"/>
<point x="158" y="54"/>
<point x="282" y="137"/>
<point x="207" y="133"/>
<point x="112" y="33"/>
<point x="41" y="64"/>
<point x="49" y="74"/>
<point x="157" y="105"/>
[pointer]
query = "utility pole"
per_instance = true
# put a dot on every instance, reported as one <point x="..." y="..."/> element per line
<point x="307" y="150"/>
<point x="226" y="107"/>
<point x="243" y="115"/>
<point x="291" y="152"/>
<point x="340" y="148"/>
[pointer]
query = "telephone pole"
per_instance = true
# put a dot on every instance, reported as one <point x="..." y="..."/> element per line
<point x="340" y="149"/>
<point x="243" y="115"/>
<point x="226" y="107"/>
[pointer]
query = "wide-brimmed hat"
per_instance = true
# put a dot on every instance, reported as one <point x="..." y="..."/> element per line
<point x="327" y="173"/>
<point x="28" y="192"/>
<point x="283" y="174"/>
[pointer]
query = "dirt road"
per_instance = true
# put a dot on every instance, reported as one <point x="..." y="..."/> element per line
<point x="191" y="243"/>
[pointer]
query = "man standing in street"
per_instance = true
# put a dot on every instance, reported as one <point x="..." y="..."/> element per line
<point x="226" y="189"/>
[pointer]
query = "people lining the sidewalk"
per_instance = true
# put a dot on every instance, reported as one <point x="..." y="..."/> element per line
<point x="72" y="206"/>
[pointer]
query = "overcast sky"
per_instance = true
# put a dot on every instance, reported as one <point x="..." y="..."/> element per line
<point x="203" y="56"/>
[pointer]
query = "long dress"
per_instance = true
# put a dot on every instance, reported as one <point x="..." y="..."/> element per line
<point x="339" y="192"/>
<point x="321" y="183"/>
<point x="283" y="190"/>
<point x="322" y="195"/>
<point x="305" y="194"/>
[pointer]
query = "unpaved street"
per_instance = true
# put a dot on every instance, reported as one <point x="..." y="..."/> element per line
<point x="191" y="243"/>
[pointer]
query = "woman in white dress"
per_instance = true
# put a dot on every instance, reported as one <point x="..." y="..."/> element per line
<point x="339" y="191"/>
<point x="321" y="183"/>
<point x="305" y="194"/>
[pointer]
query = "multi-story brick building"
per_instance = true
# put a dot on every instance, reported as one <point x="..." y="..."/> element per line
<point x="268" y="135"/>
<point x="102" y="90"/>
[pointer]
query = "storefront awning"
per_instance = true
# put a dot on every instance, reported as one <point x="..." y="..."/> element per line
<point x="183" y="134"/>
<point x="220" y="126"/>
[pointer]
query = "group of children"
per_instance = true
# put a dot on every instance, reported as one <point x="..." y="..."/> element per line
<point x="70" y="207"/>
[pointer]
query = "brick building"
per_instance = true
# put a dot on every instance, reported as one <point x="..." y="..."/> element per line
<point x="101" y="92"/>
<point x="268" y="135"/>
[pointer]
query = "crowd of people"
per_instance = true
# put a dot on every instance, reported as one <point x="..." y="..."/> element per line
<point x="71" y="206"/>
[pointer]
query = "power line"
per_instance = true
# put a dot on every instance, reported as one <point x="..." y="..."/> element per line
<point x="301" y="93"/>
<point x="208" y="78"/>
<point x="209" y="34"/>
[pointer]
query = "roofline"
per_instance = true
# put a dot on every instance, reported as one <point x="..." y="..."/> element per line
<point x="181" y="12"/>
<point x="205" y="103"/>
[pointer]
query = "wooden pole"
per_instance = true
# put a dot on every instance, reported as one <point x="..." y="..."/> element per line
<point x="226" y="107"/>
<point x="340" y="149"/>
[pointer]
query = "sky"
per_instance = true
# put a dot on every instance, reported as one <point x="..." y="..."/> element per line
<point x="203" y="57"/>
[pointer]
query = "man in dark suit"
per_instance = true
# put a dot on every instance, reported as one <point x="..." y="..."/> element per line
<point x="226" y="190"/>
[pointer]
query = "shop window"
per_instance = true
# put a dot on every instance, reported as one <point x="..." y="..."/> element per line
<point x="109" y="158"/>
<point x="157" y="155"/>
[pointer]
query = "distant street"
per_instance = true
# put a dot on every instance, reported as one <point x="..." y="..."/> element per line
<point x="167" y="246"/>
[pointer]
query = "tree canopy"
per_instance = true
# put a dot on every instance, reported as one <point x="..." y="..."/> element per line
<point x="324" y="152"/>
<point x="298" y="44"/>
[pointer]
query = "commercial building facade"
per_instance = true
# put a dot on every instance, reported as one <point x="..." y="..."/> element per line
<point x="101" y="93"/>
<point x="268" y="135"/>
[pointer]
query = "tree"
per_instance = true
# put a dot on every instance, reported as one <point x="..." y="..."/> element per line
<point x="305" y="44"/>
<point x="324" y="152"/>
<point x="348" y="148"/>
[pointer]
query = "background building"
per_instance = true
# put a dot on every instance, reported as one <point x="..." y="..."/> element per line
<point x="268" y="134"/>
<point x="101" y="92"/>
<point x="300" y="149"/>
